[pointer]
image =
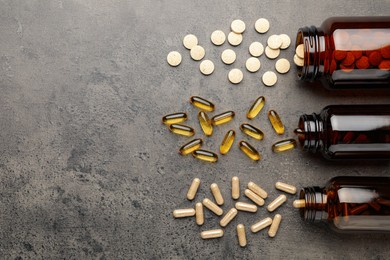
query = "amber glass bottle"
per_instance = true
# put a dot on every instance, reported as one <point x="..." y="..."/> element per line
<point x="347" y="52"/>
<point x="347" y="132"/>
<point x="349" y="203"/>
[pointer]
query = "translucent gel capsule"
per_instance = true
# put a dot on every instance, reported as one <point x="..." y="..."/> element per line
<point x="256" y="107"/>
<point x="249" y="150"/>
<point x="174" y="118"/>
<point x="252" y="131"/>
<point x="182" y="130"/>
<point x="202" y="103"/>
<point x="205" y="155"/>
<point x="227" y="142"/>
<point x="191" y="146"/>
<point x="205" y="123"/>
<point x="284" y="145"/>
<point x="223" y="118"/>
<point x="276" y="122"/>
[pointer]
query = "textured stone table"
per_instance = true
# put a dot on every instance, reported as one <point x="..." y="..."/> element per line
<point x="88" y="171"/>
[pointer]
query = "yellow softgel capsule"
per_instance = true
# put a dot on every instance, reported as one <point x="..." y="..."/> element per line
<point x="223" y="118"/>
<point x="174" y="118"/>
<point x="284" y="145"/>
<point x="182" y="129"/>
<point x="205" y="155"/>
<point x="252" y="131"/>
<point x="230" y="215"/>
<point x="202" y="103"/>
<point x="191" y="146"/>
<point x="208" y="234"/>
<point x="249" y="150"/>
<point x="205" y="123"/>
<point x="227" y="142"/>
<point x="276" y="122"/>
<point x="255" y="109"/>
<point x="241" y="235"/>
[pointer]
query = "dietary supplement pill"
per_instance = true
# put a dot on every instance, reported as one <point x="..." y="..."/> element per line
<point x="282" y="66"/>
<point x="286" y="187"/>
<point x="205" y="155"/>
<point x="235" y="187"/>
<point x="257" y="189"/>
<point x="197" y="52"/>
<point x="276" y="122"/>
<point x="256" y="49"/>
<point x="252" y="64"/>
<point x="298" y="61"/>
<point x="249" y="151"/>
<point x="191" y="146"/>
<point x="246" y="207"/>
<point x="284" y="145"/>
<point x="269" y="78"/>
<point x="277" y="203"/>
<point x="174" y="58"/>
<point x="274" y="42"/>
<point x="202" y="103"/>
<point x="217" y="194"/>
<point x="237" y="26"/>
<point x="199" y="214"/>
<point x="212" y="207"/>
<point x="193" y="189"/>
<point x="218" y="37"/>
<point x="235" y="76"/>
<point x="271" y="53"/>
<point x="275" y="225"/>
<point x="228" y="56"/>
<point x="299" y="204"/>
<point x="223" y="118"/>
<point x="252" y="131"/>
<point x="286" y="41"/>
<point x="241" y="235"/>
<point x="261" y="225"/>
<point x="190" y="41"/>
<point x="215" y="233"/>
<point x="254" y="197"/>
<point x="227" y="142"/>
<point x="182" y="213"/>
<point x="205" y="123"/>
<point x="299" y="51"/>
<point x="182" y="129"/>
<point x="174" y="118"/>
<point x="234" y="39"/>
<point x="255" y="109"/>
<point x="230" y="215"/>
<point x="262" y="25"/>
<point x="206" y="67"/>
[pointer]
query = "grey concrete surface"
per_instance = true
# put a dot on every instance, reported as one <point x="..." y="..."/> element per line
<point x="89" y="172"/>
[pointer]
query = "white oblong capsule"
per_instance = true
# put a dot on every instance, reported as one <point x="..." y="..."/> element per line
<point x="215" y="233"/>
<point x="254" y="197"/>
<point x="182" y="213"/>
<point x="246" y="207"/>
<point x="299" y="204"/>
<point x="286" y="187"/>
<point x="277" y="202"/>
<point x="228" y="217"/>
<point x="241" y="235"/>
<point x="261" y="225"/>
<point x="256" y="189"/>
<point x="235" y="187"/>
<point x="193" y="189"/>
<point x="199" y="214"/>
<point x="212" y="207"/>
<point x="217" y="194"/>
<point x="275" y="225"/>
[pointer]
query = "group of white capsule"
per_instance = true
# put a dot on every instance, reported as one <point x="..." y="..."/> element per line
<point x="275" y="43"/>
<point x="253" y="192"/>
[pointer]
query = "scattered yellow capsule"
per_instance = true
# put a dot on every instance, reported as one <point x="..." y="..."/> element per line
<point x="193" y="189"/>
<point x="202" y="103"/>
<point x="215" y="233"/>
<point x="217" y="194"/>
<point x="227" y="142"/>
<point x="241" y="235"/>
<point x="223" y="118"/>
<point x="252" y="131"/>
<point x="284" y="145"/>
<point x="212" y="207"/>
<point x="299" y="204"/>
<point x="205" y="123"/>
<point x="182" y="213"/>
<point x="256" y="107"/>
<point x="199" y="214"/>
<point x="249" y="150"/>
<point x="261" y="225"/>
<point x="230" y="215"/>
<point x="235" y="187"/>
<point x="205" y="155"/>
<point x="286" y="187"/>
<point x="277" y="203"/>
<point x="275" y="225"/>
<point x="174" y="118"/>
<point x="256" y="189"/>
<point x="246" y="207"/>
<point x="191" y="146"/>
<point x="276" y="122"/>
<point x="182" y="129"/>
<point x="254" y="197"/>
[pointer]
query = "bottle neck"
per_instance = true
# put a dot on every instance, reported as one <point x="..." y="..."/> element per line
<point x="312" y="135"/>
<point x="314" y="41"/>
<point x="315" y="204"/>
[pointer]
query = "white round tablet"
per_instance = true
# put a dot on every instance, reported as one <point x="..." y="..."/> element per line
<point x="174" y="58"/>
<point x="252" y="64"/>
<point x="206" y="67"/>
<point x="299" y="51"/>
<point x="282" y="66"/>
<point x="228" y="56"/>
<point x="298" y="61"/>
<point x="256" y="49"/>
<point x="274" y="42"/>
<point x="190" y="41"/>
<point x="269" y="78"/>
<point x="237" y="26"/>
<point x="262" y="25"/>
<point x="271" y="53"/>
<point x="234" y="38"/>
<point x="197" y="52"/>
<point x="218" y="37"/>
<point x="235" y="76"/>
<point x="286" y="41"/>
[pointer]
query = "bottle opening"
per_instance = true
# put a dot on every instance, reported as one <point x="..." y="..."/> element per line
<point x="297" y="61"/>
